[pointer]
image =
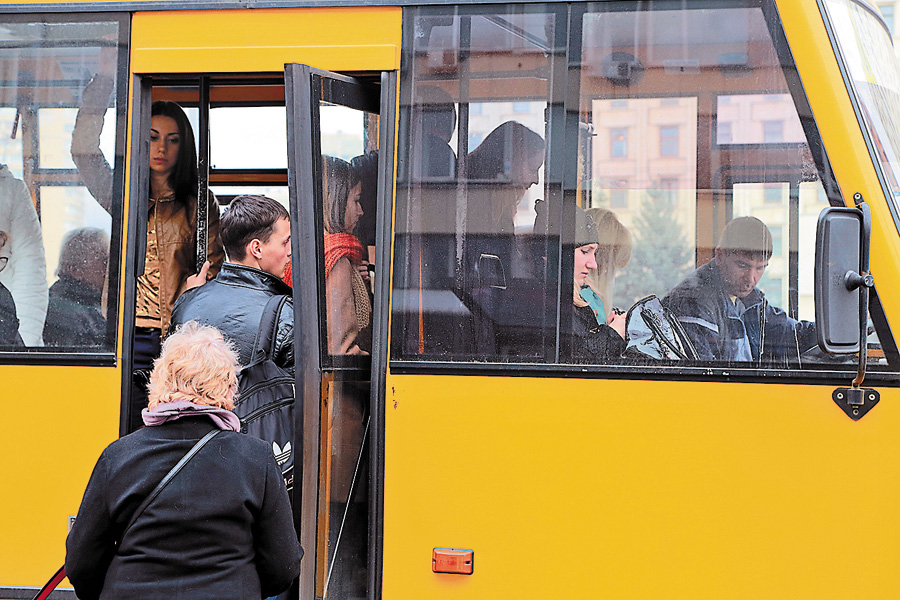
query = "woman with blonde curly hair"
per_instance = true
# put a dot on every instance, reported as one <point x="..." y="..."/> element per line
<point x="222" y="528"/>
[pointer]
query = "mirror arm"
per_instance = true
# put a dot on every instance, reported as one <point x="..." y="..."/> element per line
<point x="862" y="281"/>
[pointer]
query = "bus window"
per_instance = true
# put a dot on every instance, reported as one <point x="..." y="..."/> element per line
<point x="866" y="49"/>
<point x="472" y="283"/>
<point x="58" y="227"/>
<point x="707" y="180"/>
<point x="691" y="135"/>
<point x="349" y="145"/>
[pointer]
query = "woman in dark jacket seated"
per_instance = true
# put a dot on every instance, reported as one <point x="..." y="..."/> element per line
<point x="222" y="528"/>
<point x="590" y="341"/>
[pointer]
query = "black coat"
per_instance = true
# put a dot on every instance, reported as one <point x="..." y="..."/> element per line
<point x="73" y="315"/>
<point x="233" y="302"/>
<point x="221" y="529"/>
<point x="593" y="343"/>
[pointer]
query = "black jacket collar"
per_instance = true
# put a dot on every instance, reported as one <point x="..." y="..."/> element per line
<point x="244" y="276"/>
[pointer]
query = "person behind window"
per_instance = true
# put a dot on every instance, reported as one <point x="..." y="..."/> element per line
<point x="500" y="171"/>
<point x="222" y="528"/>
<point x="169" y="263"/>
<point x="9" y="322"/>
<point x="726" y="315"/>
<point x="75" y="316"/>
<point x="613" y="253"/>
<point x="590" y="341"/>
<point x="24" y="272"/>
<point x="346" y="293"/>
<point x="169" y="268"/>
<point x="434" y="115"/>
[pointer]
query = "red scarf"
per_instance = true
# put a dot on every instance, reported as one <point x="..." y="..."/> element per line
<point x="337" y="246"/>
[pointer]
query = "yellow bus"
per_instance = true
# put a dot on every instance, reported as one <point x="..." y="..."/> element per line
<point x="476" y="427"/>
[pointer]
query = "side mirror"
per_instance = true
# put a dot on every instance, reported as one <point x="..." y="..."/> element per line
<point x="839" y="250"/>
<point x="842" y="296"/>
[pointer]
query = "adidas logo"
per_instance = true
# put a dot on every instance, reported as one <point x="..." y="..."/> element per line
<point x="281" y="454"/>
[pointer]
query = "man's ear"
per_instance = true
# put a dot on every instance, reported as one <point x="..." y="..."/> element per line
<point x="253" y="248"/>
<point x="718" y="253"/>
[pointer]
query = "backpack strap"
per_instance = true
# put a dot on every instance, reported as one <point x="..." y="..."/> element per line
<point x="264" y="344"/>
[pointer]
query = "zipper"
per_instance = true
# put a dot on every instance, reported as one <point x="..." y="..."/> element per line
<point x="268" y="382"/>
<point x="262" y="411"/>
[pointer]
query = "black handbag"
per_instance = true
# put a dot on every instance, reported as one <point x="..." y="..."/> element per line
<point x="652" y="332"/>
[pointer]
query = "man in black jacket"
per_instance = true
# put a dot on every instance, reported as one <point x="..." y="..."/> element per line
<point x="727" y="317"/>
<point x="256" y="233"/>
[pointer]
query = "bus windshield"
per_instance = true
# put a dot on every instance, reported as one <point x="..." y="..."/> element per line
<point x="865" y="45"/>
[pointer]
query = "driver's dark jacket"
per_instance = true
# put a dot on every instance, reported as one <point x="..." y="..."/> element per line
<point x="233" y="302"/>
<point x="747" y="330"/>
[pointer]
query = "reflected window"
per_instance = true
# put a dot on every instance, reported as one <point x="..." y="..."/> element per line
<point x="618" y="143"/>
<point x="773" y="132"/>
<point x="668" y="141"/>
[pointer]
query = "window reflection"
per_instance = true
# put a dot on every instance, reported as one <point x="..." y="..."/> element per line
<point x="472" y="276"/>
<point x="686" y="121"/>
<point x="56" y="284"/>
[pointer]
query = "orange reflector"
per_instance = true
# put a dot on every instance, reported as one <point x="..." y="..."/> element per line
<point x="452" y="560"/>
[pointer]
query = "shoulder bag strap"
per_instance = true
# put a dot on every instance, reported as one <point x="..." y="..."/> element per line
<point x="169" y="476"/>
<point x="264" y="344"/>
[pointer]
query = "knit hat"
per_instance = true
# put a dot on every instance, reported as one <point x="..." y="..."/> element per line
<point x="585" y="229"/>
<point x="747" y="234"/>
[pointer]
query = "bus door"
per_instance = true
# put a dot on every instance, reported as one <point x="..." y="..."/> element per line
<point x="334" y="122"/>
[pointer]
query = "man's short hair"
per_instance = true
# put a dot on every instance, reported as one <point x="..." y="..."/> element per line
<point x="749" y="235"/>
<point x="249" y="218"/>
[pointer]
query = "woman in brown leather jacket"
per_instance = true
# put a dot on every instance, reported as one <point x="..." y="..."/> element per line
<point x="172" y="223"/>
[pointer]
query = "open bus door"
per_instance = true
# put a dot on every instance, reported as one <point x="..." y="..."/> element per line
<point x="334" y="115"/>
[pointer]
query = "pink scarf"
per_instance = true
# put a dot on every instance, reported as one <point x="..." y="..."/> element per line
<point x="170" y="411"/>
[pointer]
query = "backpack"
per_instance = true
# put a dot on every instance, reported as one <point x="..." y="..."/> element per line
<point x="265" y="403"/>
<point x="653" y="332"/>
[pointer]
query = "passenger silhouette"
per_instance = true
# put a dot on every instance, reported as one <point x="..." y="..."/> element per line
<point x="75" y="315"/>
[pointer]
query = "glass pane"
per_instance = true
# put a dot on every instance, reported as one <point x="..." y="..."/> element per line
<point x="866" y="48"/>
<point x="652" y="194"/>
<point x="344" y="489"/>
<point x="76" y="239"/>
<point x="349" y="142"/>
<point x="349" y="177"/>
<point x="58" y="289"/>
<point x="253" y="137"/>
<point x="472" y="279"/>
<point x="645" y="170"/>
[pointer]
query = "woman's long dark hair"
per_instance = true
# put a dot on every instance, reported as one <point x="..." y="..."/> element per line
<point x="183" y="178"/>
<point x="338" y="179"/>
